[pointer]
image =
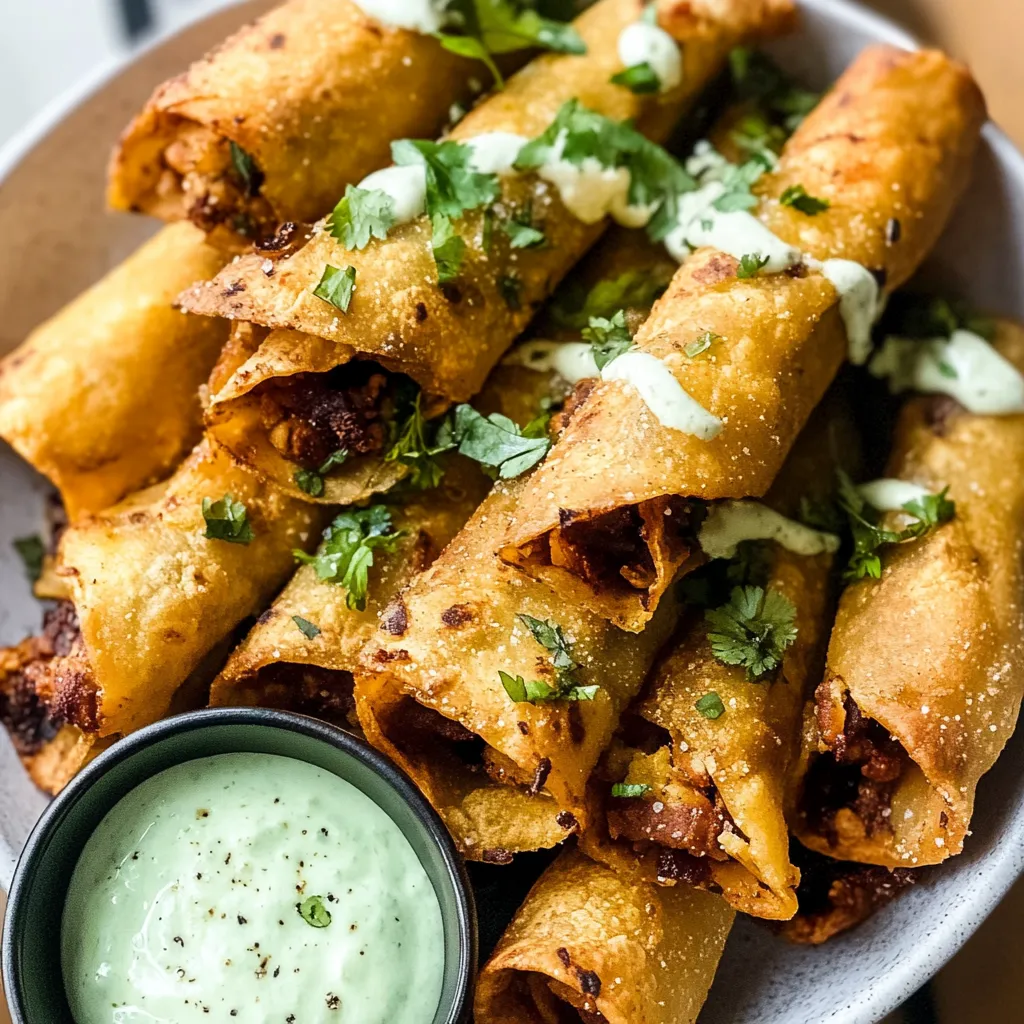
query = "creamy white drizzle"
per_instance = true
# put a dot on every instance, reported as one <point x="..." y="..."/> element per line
<point x="736" y="233"/>
<point x="495" y="152"/>
<point x="964" y="366"/>
<point x="860" y="303"/>
<point x="573" y="361"/>
<point x="706" y="164"/>
<point x="729" y="523"/>
<point x="426" y="16"/>
<point x="889" y="495"/>
<point x="643" y="43"/>
<point x="663" y="394"/>
<point x="407" y="187"/>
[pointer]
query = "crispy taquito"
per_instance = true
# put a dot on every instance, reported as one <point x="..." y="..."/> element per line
<point x="590" y="945"/>
<point x="885" y="155"/>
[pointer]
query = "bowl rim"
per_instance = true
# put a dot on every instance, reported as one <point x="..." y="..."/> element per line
<point x="47" y="828"/>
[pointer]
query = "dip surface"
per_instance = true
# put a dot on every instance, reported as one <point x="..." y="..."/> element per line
<point x="205" y="895"/>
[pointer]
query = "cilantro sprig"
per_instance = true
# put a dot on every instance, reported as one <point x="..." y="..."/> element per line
<point x="751" y="265"/>
<point x="336" y="286"/>
<point x="311" y="481"/>
<point x="633" y="289"/>
<point x="640" y="79"/>
<point x="630" y="790"/>
<point x="227" y="519"/>
<point x="869" y="537"/>
<point x="752" y="630"/>
<point x="362" y="214"/>
<point x="346" y="553"/>
<point x="608" y="338"/>
<point x="495" y="441"/>
<point x="565" y="685"/>
<point x="800" y="199"/>
<point x="413" y="446"/>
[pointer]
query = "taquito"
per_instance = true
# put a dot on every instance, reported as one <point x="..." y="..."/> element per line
<point x="925" y="667"/>
<point x="694" y="787"/>
<point x="271" y="125"/>
<point x="588" y="945"/>
<point x="103" y="398"/>
<point x="324" y="377"/>
<point x="154" y="584"/>
<point x="885" y="156"/>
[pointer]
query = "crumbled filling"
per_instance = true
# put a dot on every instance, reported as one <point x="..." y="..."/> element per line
<point x="309" y="690"/>
<point x="309" y="416"/>
<point x="835" y="895"/>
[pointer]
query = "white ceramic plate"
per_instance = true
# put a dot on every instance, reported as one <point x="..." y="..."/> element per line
<point x="57" y="239"/>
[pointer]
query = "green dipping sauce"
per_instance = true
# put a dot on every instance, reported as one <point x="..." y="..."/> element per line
<point x="256" y="888"/>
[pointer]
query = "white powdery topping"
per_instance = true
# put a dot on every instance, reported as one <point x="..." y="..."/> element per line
<point x="731" y="522"/>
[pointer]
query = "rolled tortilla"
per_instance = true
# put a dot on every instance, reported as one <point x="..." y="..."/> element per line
<point x="891" y="149"/>
<point x="150" y="596"/>
<point x="925" y="667"/>
<point x="314" y="92"/>
<point x="103" y="398"/>
<point x="714" y="812"/>
<point x="588" y="945"/>
<point x="446" y="338"/>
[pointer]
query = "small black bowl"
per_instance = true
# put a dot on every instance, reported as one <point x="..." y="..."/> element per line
<point x="31" y="939"/>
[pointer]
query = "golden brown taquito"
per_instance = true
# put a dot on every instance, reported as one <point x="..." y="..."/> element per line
<point x="314" y="92"/>
<point x="714" y="814"/>
<point x="890" y="148"/>
<point x="446" y="338"/>
<point x="149" y="597"/>
<point x="279" y="666"/>
<point x="925" y="666"/>
<point x="589" y="945"/>
<point x="103" y="397"/>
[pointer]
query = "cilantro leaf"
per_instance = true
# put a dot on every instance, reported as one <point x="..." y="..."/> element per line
<point x="345" y="555"/>
<point x="32" y="552"/>
<point x="800" y="199"/>
<point x="634" y="289"/>
<point x="738" y="181"/>
<point x="474" y="49"/>
<point x="710" y="705"/>
<point x="608" y="338"/>
<point x="336" y="286"/>
<point x="309" y="629"/>
<point x="246" y="169"/>
<point x="753" y="629"/>
<point x="312" y="480"/>
<point x="227" y="520"/>
<point x="448" y="249"/>
<point x="413" y="447"/>
<point x="566" y="686"/>
<point x="701" y="344"/>
<point x="452" y="185"/>
<point x="362" y="214"/>
<point x="313" y="912"/>
<point x="931" y="509"/>
<point x="529" y="691"/>
<point x="494" y="441"/>
<point x="641" y="79"/>
<point x="630" y="789"/>
<point x="751" y="264"/>
<point x="523" y="235"/>
<point x="757" y="77"/>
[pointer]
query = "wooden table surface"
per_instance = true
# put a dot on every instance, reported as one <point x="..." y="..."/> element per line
<point x="983" y="982"/>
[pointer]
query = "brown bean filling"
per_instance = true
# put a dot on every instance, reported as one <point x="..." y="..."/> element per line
<point x="835" y="895"/>
<point x="46" y="681"/>
<point x="859" y="773"/>
<point x="322" y="693"/>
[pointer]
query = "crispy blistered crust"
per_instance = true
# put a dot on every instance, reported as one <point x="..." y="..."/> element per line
<point x="154" y="596"/>
<point x="103" y="397"/>
<point x="611" y="949"/>
<point x="934" y="651"/>
<point x="448" y="338"/>
<point x="314" y="91"/>
<point x="895" y="138"/>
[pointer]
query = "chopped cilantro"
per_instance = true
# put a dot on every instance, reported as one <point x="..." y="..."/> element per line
<point x="523" y="235"/>
<point x="360" y="215"/>
<point x="756" y="77"/>
<point x="227" y="520"/>
<point x="448" y="249"/>
<point x="799" y="198"/>
<point x="246" y="169"/>
<point x="630" y="789"/>
<point x="313" y="912"/>
<point x="309" y="630"/>
<point x="413" y="448"/>
<point x="868" y="537"/>
<point x="738" y="181"/>
<point x="710" y="705"/>
<point x="608" y="338"/>
<point x="452" y="185"/>
<point x="641" y="79"/>
<point x="312" y="480"/>
<point x="752" y="630"/>
<point x="336" y="286"/>
<point x="31" y="551"/>
<point x="947" y="370"/>
<point x="634" y="289"/>
<point x="474" y="49"/>
<point x="345" y="555"/>
<point x="701" y="344"/>
<point x="751" y="264"/>
<point x="566" y="686"/>
<point x="495" y="441"/>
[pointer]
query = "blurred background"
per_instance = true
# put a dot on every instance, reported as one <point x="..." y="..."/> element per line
<point x="47" y="46"/>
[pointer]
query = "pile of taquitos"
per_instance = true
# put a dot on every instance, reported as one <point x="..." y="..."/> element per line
<point x="717" y="704"/>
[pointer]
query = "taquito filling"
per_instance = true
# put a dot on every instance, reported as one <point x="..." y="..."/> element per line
<point x="535" y="997"/>
<point x="835" y="895"/>
<point x="215" y="181"/>
<point x="46" y="681"/>
<point x="850" y="787"/>
<point x="674" y="814"/>
<point x="323" y="693"/>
